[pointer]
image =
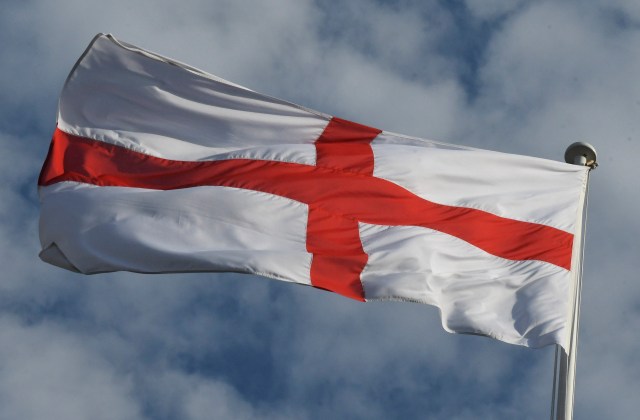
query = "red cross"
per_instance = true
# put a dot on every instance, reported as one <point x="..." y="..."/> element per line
<point x="340" y="191"/>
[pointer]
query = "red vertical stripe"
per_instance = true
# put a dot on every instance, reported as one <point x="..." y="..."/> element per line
<point x="346" y="146"/>
<point x="334" y="239"/>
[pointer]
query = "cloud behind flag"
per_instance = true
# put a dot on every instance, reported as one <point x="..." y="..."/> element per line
<point x="159" y="167"/>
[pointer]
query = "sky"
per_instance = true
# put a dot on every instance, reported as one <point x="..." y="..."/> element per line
<point x="516" y="76"/>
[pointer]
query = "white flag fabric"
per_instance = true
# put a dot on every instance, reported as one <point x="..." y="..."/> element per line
<point x="158" y="167"/>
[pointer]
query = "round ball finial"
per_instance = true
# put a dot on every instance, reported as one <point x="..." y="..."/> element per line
<point x="581" y="153"/>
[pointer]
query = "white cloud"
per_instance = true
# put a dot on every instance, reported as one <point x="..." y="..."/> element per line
<point x="48" y="373"/>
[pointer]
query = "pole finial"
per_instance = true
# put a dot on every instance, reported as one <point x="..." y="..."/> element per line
<point x="581" y="153"/>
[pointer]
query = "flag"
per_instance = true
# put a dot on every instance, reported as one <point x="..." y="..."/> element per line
<point x="158" y="167"/>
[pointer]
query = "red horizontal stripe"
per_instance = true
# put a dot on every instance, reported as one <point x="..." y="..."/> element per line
<point x="352" y="195"/>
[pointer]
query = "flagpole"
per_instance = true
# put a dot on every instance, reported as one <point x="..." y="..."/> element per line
<point x="564" y="371"/>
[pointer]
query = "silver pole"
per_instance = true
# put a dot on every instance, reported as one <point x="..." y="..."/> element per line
<point x="582" y="154"/>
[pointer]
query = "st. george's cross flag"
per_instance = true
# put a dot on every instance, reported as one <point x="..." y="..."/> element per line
<point x="158" y="167"/>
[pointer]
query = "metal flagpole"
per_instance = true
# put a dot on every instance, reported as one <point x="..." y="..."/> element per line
<point x="564" y="372"/>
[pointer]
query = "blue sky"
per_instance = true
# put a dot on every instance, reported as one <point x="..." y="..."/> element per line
<point x="527" y="77"/>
